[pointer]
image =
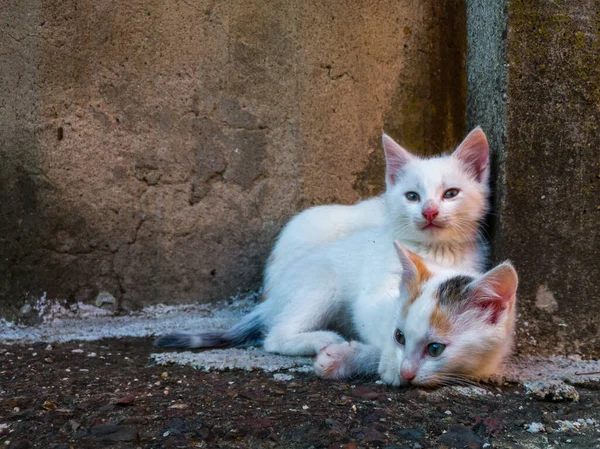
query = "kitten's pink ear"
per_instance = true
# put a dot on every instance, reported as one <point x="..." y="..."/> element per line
<point x="496" y="291"/>
<point x="409" y="269"/>
<point x="396" y="158"/>
<point x="474" y="153"/>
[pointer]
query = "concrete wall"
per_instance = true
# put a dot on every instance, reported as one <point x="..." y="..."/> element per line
<point x="153" y="149"/>
<point x="486" y="98"/>
<point x="543" y="59"/>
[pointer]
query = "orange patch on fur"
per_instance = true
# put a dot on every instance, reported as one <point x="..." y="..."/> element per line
<point x="440" y="321"/>
<point x="423" y="275"/>
<point x="479" y="367"/>
<point x="509" y="323"/>
<point x="510" y="306"/>
<point x="406" y="306"/>
<point x="415" y="291"/>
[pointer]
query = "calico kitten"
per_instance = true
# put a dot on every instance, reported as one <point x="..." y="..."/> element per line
<point x="448" y="199"/>
<point x="447" y="327"/>
<point x="432" y="206"/>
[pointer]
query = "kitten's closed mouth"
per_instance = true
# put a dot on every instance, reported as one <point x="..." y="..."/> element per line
<point x="431" y="226"/>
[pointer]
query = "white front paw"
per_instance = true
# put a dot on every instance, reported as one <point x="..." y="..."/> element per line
<point x="392" y="378"/>
<point x="335" y="361"/>
<point x="389" y="371"/>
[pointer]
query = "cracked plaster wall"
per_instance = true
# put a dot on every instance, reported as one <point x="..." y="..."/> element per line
<point x="154" y="149"/>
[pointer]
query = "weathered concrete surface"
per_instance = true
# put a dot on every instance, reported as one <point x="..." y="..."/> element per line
<point x="83" y="322"/>
<point x="548" y="201"/>
<point x="88" y="323"/>
<point x="153" y="150"/>
<point x="486" y="96"/>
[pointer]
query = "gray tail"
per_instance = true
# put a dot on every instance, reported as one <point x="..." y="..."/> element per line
<point x="248" y="330"/>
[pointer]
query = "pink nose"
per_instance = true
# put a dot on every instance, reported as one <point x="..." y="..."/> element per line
<point x="430" y="213"/>
<point x="408" y="375"/>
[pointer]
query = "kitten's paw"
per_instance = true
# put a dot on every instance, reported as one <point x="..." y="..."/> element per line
<point x="392" y="376"/>
<point x="389" y="372"/>
<point x="335" y="361"/>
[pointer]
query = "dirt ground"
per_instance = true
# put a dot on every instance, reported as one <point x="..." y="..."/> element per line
<point x="108" y="393"/>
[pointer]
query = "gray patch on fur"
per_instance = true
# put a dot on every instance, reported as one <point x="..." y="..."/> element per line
<point x="175" y="340"/>
<point x="452" y="292"/>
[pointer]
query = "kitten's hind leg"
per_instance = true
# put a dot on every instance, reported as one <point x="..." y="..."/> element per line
<point x="346" y="360"/>
<point x="311" y="304"/>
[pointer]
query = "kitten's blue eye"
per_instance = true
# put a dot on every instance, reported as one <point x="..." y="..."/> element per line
<point x="450" y="193"/>
<point x="412" y="196"/>
<point x="399" y="337"/>
<point x="435" y="349"/>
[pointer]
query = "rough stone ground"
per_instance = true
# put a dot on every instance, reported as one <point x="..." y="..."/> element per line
<point x="64" y="386"/>
<point x="109" y="393"/>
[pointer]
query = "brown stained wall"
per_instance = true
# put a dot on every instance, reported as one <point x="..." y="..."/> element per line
<point x="20" y="176"/>
<point x="551" y="210"/>
<point x="153" y="149"/>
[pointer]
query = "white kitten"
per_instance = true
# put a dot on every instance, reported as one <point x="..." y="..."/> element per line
<point x="456" y="242"/>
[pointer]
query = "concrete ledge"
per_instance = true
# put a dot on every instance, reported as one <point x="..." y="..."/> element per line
<point x="90" y="324"/>
<point x="248" y="359"/>
<point x="86" y="323"/>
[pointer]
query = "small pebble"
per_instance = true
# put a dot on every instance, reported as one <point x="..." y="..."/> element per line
<point x="178" y="406"/>
<point x="551" y="390"/>
<point x="535" y="427"/>
<point x="25" y="309"/>
<point x="282" y="377"/>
